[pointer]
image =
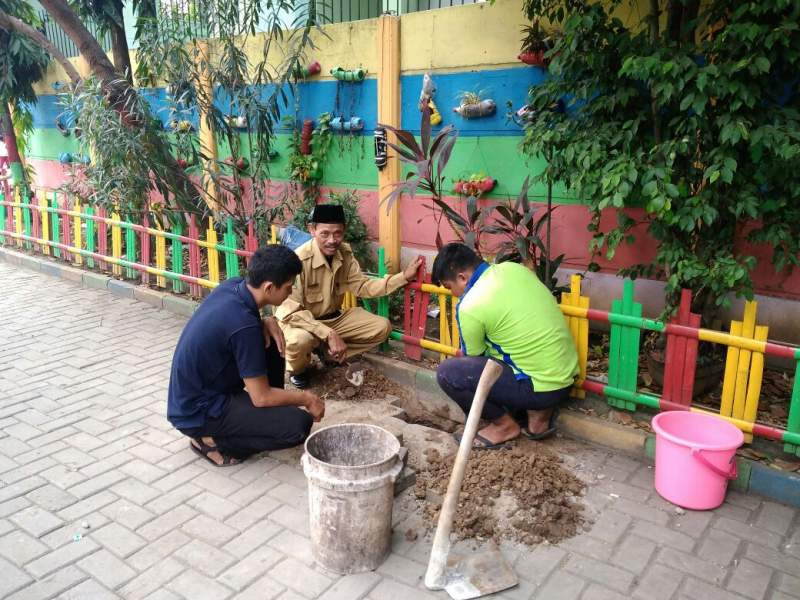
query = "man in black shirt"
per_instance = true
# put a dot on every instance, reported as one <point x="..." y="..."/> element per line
<point x="226" y="384"/>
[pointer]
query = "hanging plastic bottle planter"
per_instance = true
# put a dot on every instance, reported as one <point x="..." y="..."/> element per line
<point x="426" y="96"/>
<point x="62" y="127"/>
<point x="308" y="71"/>
<point x="65" y="158"/>
<point x="381" y="148"/>
<point x="305" y="137"/>
<point x="237" y="122"/>
<point x="475" y="186"/>
<point x="476" y="110"/>
<point x="182" y="126"/>
<point x="241" y="163"/>
<point x="348" y="75"/>
<point x="351" y="124"/>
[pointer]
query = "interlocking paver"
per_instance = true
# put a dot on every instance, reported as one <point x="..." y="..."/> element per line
<point x="750" y="579"/>
<point x="107" y="568"/>
<point x="49" y="586"/>
<point x="659" y="583"/>
<point x="204" y="557"/>
<point x="36" y="521"/>
<point x="633" y="553"/>
<point x="87" y="447"/>
<point x="561" y="586"/>
<point x="20" y="548"/>
<point x="120" y="540"/>
<point x="12" y="578"/>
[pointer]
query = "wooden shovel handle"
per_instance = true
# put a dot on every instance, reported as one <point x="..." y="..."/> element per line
<point x="435" y="576"/>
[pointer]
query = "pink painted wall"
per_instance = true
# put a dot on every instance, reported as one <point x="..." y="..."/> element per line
<point x="569" y="232"/>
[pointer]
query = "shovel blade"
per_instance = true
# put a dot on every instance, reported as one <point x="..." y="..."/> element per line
<point x="476" y="575"/>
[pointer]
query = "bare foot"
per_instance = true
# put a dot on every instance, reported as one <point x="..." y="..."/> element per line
<point x="500" y="430"/>
<point x="539" y="420"/>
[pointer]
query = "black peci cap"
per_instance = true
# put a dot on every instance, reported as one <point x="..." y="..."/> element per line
<point x="327" y="213"/>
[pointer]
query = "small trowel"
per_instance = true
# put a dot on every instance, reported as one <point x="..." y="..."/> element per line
<point x="474" y="575"/>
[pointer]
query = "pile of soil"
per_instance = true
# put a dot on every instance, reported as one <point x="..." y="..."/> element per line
<point x="341" y="383"/>
<point x="522" y="493"/>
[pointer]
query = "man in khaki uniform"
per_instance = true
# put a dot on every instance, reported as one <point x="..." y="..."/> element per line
<point x="312" y="315"/>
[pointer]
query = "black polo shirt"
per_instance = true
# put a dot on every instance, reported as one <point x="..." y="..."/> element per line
<point x="221" y="344"/>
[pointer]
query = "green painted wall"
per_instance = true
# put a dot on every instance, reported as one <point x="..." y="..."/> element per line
<point x="351" y="161"/>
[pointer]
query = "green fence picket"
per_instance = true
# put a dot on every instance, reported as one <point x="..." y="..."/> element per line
<point x="177" y="258"/>
<point x="231" y="259"/>
<point x="130" y="249"/>
<point x="2" y="218"/>
<point x="90" y="236"/>
<point x="793" y="424"/>
<point x="26" y="219"/>
<point x="55" y="225"/>
<point x="623" y="359"/>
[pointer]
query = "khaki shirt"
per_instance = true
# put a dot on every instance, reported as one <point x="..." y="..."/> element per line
<point x="320" y="288"/>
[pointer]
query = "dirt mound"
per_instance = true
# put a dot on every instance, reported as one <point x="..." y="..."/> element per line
<point x="356" y="380"/>
<point x="523" y="493"/>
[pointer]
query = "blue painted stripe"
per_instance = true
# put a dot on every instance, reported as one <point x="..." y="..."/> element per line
<point x="361" y="100"/>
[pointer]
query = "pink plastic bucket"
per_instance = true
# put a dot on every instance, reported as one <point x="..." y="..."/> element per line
<point x="694" y="458"/>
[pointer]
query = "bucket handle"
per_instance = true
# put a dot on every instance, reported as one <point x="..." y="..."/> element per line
<point x="731" y="474"/>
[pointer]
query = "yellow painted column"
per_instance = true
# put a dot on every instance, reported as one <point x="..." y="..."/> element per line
<point x="116" y="242"/>
<point x="77" y="235"/>
<point x="208" y="139"/>
<point x="389" y="113"/>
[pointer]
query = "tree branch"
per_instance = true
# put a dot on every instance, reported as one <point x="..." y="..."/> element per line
<point x="10" y="23"/>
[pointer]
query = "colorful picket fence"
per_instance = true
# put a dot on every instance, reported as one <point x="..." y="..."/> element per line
<point x="747" y="347"/>
<point x="185" y="258"/>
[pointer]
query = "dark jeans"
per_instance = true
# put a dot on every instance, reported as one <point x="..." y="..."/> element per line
<point x="243" y="429"/>
<point x="458" y="377"/>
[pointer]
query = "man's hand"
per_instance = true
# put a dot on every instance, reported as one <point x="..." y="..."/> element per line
<point x="314" y="406"/>
<point x="336" y="346"/>
<point x="410" y="272"/>
<point x="273" y="331"/>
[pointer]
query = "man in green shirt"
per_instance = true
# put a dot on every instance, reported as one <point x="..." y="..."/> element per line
<point x="506" y="314"/>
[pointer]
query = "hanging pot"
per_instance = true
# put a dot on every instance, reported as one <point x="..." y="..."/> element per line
<point x="484" y="108"/>
<point x="537" y="59"/>
<point x="348" y="75"/>
<point x="305" y="137"/>
<point x="351" y="124"/>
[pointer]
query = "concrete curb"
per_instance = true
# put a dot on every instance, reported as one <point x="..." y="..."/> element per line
<point x="753" y="476"/>
<point x="100" y="281"/>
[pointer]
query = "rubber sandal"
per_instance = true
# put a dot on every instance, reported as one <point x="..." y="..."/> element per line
<point x="551" y="429"/>
<point x="485" y="444"/>
<point x="204" y="450"/>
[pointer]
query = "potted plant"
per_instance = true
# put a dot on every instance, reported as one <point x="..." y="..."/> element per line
<point x="535" y="43"/>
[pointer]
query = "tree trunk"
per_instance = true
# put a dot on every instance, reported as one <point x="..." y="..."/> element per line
<point x="119" y="45"/>
<point x="10" y="139"/>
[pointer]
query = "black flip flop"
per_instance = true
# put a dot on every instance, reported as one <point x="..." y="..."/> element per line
<point x="204" y="450"/>
<point x="551" y="429"/>
<point x="485" y="444"/>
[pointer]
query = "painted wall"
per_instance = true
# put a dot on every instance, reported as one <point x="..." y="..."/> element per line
<point x="464" y="48"/>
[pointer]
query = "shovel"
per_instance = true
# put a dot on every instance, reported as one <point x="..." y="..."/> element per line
<point x="474" y="575"/>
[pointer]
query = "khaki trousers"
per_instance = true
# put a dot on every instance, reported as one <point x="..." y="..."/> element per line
<point x="360" y="330"/>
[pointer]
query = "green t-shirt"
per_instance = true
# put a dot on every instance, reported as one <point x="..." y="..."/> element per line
<point x="508" y="314"/>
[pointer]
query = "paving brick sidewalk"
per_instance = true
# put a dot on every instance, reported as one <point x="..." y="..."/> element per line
<point x="84" y="442"/>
